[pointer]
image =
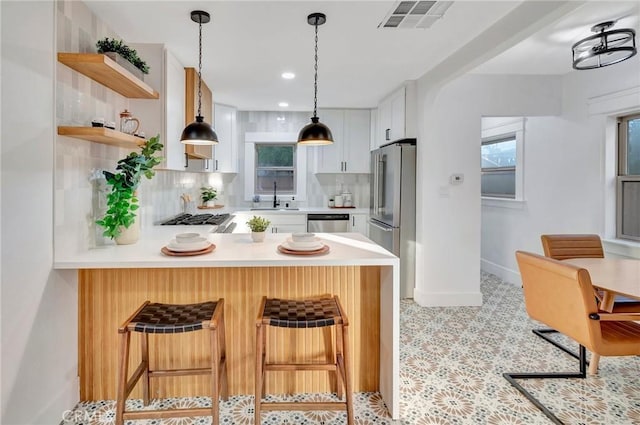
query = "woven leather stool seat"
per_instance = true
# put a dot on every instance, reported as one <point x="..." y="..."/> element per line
<point x="159" y="319"/>
<point x="299" y="315"/>
<point x="173" y="318"/>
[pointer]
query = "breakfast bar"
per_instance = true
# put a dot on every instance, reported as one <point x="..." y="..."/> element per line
<point x="114" y="280"/>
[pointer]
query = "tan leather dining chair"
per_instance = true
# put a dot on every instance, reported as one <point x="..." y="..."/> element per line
<point x="565" y="246"/>
<point x="561" y="296"/>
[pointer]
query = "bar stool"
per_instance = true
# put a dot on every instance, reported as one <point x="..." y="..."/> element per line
<point x="299" y="314"/>
<point x="159" y="318"/>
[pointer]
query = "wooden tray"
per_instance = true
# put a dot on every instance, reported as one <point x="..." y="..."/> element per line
<point x="215" y="207"/>
<point x="167" y="251"/>
<point x="320" y="251"/>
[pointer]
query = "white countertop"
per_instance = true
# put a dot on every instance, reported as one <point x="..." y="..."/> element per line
<point x="301" y="210"/>
<point x="232" y="250"/>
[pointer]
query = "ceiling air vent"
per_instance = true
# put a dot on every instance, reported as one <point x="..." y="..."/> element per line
<point x="414" y="14"/>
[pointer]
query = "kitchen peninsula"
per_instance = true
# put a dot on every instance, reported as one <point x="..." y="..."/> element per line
<point x="114" y="280"/>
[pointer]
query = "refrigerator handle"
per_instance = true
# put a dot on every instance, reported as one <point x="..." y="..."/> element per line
<point x="384" y="229"/>
<point x="374" y="201"/>
<point x="380" y="185"/>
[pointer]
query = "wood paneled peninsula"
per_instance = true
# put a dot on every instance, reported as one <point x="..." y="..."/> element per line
<point x="114" y="280"/>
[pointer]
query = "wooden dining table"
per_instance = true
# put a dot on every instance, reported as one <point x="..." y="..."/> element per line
<point x="613" y="276"/>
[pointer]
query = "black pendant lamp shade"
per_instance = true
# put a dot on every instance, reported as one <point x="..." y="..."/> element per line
<point x="199" y="132"/>
<point x="605" y="47"/>
<point x="315" y="133"/>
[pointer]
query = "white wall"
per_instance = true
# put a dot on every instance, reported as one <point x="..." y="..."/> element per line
<point x="569" y="172"/>
<point x="39" y="314"/>
<point x="448" y="222"/>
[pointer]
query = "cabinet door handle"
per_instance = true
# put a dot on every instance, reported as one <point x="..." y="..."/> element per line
<point x="186" y="160"/>
<point x="387" y="134"/>
<point x="345" y="166"/>
<point x="216" y="165"/>
<point x="206" y="164"/>
<point x="353" y="221"/>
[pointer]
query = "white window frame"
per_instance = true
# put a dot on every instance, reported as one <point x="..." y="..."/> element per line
<point x="608" y="107"/>
<point x="623" y="173"/>
<point x="508" y="128"/>
<point x="251" y="138"/>
<point x="292" y="168"/>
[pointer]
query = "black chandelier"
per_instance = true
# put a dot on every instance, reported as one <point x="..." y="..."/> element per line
<point x="199" y="132"/>
<point x="315" y="133"/>
<point x="605" y="47"/>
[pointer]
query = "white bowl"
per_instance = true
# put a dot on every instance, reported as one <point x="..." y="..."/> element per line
<point x="315" y="243"/>
<point x="303" y="237"/>
<point x="292" y="246"/>
<point x="188" y="237"/>
<point x="196" y="245"/>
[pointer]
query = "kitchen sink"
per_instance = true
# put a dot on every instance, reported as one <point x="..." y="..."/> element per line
<point x="275" y="209"/>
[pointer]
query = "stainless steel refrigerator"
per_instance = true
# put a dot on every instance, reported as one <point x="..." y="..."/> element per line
<point x="392" y="222"/>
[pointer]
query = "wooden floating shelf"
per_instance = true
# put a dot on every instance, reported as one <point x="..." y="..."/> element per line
<point x="103" y="135"/>
<point x="194" y="155"/>
<point x="107" y="72"/>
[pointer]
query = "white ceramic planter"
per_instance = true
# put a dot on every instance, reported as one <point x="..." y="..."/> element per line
<point x="129" y="235"/>
<point x="258" y="236"/>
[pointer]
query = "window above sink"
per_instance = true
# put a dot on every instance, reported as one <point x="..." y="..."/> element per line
<point x="261" y="170"/>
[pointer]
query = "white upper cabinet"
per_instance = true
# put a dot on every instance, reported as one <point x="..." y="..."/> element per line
<point x="351" y="129"/>
<point x="166" y="117"/>
<point x="396" y="115"/>
<point x="226" y="151"/>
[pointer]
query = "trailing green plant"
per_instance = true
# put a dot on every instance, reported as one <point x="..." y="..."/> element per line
<point x="121" y="201"/>
<point x="258" y="224"/>
<point x="207" y="193"/>
<point x="112" y="45"/>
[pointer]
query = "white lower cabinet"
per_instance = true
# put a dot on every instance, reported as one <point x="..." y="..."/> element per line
<point x="359" y="223"/>
<point x="280" y="223"/>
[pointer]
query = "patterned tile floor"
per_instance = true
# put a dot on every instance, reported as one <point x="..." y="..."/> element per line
<point x="452" y="360"/>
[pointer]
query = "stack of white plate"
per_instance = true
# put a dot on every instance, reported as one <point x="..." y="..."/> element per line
<point x="303" y="242"/>
<point x="188" y="242"/>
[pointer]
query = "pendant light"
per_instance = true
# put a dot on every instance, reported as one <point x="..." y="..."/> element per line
<point x="605" y="47"/>
<point x="315" y="133"/>
<point x="199" y="132"/>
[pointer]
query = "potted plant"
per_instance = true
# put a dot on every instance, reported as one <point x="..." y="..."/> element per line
<point x="119" y="222"/>
<point x="208" y="195"/>
<point x="114" y="48"/>
<point x="258" y="226"/>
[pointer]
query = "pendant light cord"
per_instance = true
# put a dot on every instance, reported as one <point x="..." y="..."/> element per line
<point x="200" y="67"/>
<point x="315" y="80"/>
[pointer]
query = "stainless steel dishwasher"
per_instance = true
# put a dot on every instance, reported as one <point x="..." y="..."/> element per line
<point x="327" y="223"/>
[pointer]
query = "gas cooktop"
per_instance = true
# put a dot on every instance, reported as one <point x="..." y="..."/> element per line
<point x="191" y="219"/>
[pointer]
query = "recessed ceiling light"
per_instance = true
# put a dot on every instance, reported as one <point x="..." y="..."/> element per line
<point x="283" y="104"/>
<point x="288" y="75"/>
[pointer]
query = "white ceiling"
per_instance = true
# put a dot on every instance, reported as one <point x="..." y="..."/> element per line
<point x="248" y="44"/>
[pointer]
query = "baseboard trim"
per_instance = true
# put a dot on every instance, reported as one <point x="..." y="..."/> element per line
<point x="507" y="275"/>
<point x="447" y="299"/>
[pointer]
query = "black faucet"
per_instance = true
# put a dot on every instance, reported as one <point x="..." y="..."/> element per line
<point x="275" y="199"/>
